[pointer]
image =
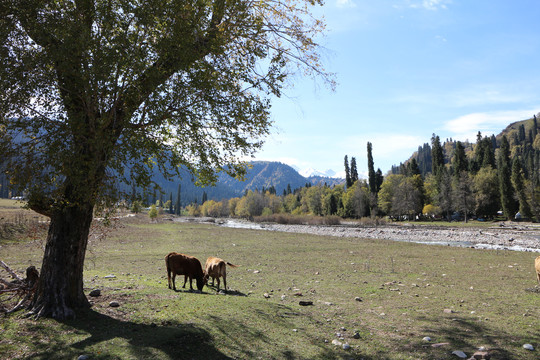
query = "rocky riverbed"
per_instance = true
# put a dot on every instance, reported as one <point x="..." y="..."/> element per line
<point x="504" y="236"/>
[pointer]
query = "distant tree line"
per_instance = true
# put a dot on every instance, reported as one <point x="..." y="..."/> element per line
<point x="451" y="180"/>
<point x="460" y="180"/>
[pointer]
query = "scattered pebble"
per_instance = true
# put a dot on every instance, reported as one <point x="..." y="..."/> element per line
<point x="460" y="354"/>
<point x="346" y="346"/>
<point x="528" y="347"/>
<point x="95" y="293"/>
<point x="83" y="357"/>
<point x="427" y="338"/>
<point x="111" y="276"/>
<point x="358" y="299"/>
<point x="266" y="295"/>
<point x="336" y="342"/>
<point x="114" y="304"/>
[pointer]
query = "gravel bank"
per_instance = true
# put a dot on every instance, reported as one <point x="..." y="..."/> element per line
<point x="524" y="238"/>
<point x="508" y="236"/>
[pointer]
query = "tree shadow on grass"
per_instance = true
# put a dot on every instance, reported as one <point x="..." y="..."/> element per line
<point x="276" y="340"/>
<point x="107" y="337"/>
<point x="468" y="335"/>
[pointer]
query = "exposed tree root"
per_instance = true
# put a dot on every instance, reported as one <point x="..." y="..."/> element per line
<point x="17" y="294"/>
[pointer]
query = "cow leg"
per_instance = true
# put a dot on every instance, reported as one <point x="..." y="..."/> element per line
<point x="218" y="283"/>
<point x="190" y="283"/>
<point x="185" y="280"/>
<point x="169" y="277"/>
<point x="225" y="282"/>
<point x="538" y="276"/>
<point x="173" y="281"/>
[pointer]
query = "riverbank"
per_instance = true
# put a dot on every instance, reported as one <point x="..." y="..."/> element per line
<point x="503" y="236"/>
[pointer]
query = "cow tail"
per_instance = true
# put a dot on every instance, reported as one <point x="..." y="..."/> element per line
<point x="232" y="265"/>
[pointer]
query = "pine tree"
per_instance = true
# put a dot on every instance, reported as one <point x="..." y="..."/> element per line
<point x="488" y="153"/>
<point x="460" y="160"/>
<point x="521" y="133"/>
<point x="348" y="182"/>
<point x="380" y="179"/>
<point x="178" y="207"/>
<point x="170" y="204"/>
<point x="518" y="182"/>
<point x="505" y="184"/>
<point x="437" y="155"/>
<point x="354" y="171"/>
<point x="372" y="176"/>
<point x="412" y="168"/>
<point x="204" y="197"/>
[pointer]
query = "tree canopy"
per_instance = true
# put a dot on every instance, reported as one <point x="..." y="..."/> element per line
<point x="97" y="92"/>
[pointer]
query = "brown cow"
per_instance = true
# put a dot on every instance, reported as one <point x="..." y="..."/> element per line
<point x="189" y="266"/>
<point x="537" y="267"/>
<point x="216" y="268"/>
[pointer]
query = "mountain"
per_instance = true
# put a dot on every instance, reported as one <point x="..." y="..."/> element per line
<point x="260" y="174"/>
<point x="313" y="172"/>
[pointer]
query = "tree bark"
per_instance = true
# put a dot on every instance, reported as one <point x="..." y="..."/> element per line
<point x="60" y="286"/>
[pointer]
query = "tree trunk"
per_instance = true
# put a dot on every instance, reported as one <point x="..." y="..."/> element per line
<point x="60" y="287"/>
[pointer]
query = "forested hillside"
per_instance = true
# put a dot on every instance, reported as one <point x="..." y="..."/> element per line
<point x="521" y="136"/>
<point x="496" y="173"/>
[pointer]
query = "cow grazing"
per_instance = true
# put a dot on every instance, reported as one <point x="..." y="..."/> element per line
<point x="537" y="267"/>
<point x="216" y="268"/>
<point x="189" y="266"/>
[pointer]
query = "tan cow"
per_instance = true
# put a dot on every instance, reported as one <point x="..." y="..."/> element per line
<point x="216" y="268"/>
<point x="189" y="266"/>
<point x="537" y="266"/>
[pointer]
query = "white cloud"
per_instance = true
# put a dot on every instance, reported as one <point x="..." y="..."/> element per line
<point x="467" y="126"/>
<point x="345" y="4"/>
<point x="472" y="96"/>
<point x="432" y="5"/>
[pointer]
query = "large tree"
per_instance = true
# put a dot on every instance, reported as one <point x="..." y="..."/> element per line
<point x="97" y="92"/>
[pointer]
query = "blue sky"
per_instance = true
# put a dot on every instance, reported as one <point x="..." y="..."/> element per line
<point x="407" y="69"/>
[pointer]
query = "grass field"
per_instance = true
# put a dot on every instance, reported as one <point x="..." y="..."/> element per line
<point x="404" y="290"/>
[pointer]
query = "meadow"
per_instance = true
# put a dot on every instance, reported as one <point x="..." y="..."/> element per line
<point x="382" y="298"/>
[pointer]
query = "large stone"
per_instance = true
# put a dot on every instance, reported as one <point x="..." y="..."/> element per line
<point x="481" y="355"/>
<point x="95" y="293"/>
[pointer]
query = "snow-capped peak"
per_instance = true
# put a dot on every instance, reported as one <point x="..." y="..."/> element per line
<point x="313" y="172"/>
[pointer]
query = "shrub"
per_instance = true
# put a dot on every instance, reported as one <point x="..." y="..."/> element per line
<point x="153" y="212"/>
